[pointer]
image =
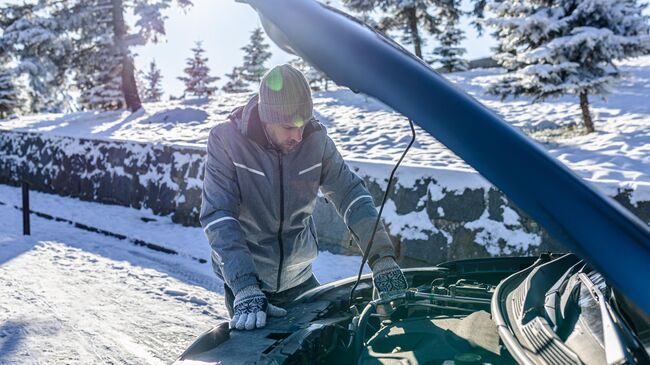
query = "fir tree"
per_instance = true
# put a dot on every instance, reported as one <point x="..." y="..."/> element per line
<point x="449" y="54"/>
<point x="566" y="46"/>
<point x="90" y="40"/>
<point x="315" y="78"/>
<point x="9" y="98"/>
<point x="140" y="81"/>
<point x="152" y="84"/>
<point x="255" y="55"/>
<point x="31" y="40"/>
<point x="236" y="83"/>
<point x="150" y="25"/>
<point x="98" y="71"/>
<point x="409" y="17"/>
<point x="198" y="81"/>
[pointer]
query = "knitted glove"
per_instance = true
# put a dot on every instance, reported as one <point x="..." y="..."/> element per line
<point x="387" y="276"/>
<point x="251" y="308"/>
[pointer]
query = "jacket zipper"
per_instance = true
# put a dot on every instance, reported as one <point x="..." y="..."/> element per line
<point x="281" y="223"/>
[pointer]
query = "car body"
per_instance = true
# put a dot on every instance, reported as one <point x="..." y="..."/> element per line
<point x="506" y="310"/>
<point x="582" y="307"/>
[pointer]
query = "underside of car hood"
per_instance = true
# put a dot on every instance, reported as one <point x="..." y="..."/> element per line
<point x="586" y="222"/>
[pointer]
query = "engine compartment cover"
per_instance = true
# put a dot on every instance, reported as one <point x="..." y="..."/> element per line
<point x="434" y="340"/>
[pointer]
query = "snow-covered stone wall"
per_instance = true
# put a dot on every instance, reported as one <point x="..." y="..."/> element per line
<point x="433" y="215"/>
<point x="164" y="178"/>
<point x="436" y="215"/>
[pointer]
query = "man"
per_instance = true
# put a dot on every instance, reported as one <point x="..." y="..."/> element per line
<point x="263" y="171"/>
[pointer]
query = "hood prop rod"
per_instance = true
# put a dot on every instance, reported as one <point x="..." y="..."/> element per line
<point x="381" y="209"/>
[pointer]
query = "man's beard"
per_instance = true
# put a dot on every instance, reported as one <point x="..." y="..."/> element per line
<point x="289" y="146"/>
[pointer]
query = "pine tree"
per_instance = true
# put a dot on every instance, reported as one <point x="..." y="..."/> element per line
<point x="89" y="41"/>
<point x="566" y="46"/>
<point x="236" y="84"/>
<point x="152" y="84"/>
<point x="140" y="82"/>
<point x="198" y="81"/>
<point x="98" y="71"/>
<point x="150" y="24"/>
<point x="315" y="78"/>
<point x="31" y="40"/>
<point x="9" y="98"/>
<point x="409" y="17"/>
<point x="255" y="55"/>
<point x="449" y="53"/>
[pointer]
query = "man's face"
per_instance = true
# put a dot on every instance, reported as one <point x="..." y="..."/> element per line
<point x="286" y="136"/>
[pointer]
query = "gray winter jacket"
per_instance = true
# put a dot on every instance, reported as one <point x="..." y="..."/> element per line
<point x="257" y="203"/>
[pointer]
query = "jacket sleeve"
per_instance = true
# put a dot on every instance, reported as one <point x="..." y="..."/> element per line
<point x="219" y="215"/>
<point x="355" y="205"/>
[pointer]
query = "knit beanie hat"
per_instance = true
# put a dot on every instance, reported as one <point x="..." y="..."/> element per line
<point x="285" y="96"/>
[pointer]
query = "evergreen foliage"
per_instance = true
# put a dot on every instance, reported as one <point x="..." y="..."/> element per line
<point x="32" y="41"/>
<point x="81" y="45"/>
<point x="198" y="81"/>
<point x="448" y="53"/>
<point x="317" y="80"/>
<point x="255" y="55"/>
<point x="152" y="88"/>
<point x="236" y="83"/>
<point x="9" y="96"/>
<point x="409" y="17"/>
<point x="96" y="61"/>
<point x="558" y="47"/>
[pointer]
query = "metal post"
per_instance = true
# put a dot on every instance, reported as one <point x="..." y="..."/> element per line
<point x="25" y="188"/>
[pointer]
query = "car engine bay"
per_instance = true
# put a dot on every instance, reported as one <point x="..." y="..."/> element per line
<point x="443" y="319"/>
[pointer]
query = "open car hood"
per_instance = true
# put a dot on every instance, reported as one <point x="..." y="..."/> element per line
<point x="588" y="223"/>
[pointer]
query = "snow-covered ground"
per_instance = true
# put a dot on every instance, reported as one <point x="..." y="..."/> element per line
<point x="76" y="297"/>
<point x="69" y="296"/>
<point x="617" y="155"/>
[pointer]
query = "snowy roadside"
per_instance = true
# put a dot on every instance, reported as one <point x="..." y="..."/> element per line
<point x="615" y="157"/>
<point x="77" y="297"/>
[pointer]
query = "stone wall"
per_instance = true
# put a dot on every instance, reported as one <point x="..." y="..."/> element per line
<point x="165" y="179"/>
<point x="432" y="215"/>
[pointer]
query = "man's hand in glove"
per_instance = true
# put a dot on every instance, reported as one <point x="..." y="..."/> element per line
<point x="251" y="308"/>
<point x="387" y="276"/>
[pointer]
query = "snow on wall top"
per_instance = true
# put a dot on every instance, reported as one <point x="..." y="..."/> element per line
<point x="616" y="156"/>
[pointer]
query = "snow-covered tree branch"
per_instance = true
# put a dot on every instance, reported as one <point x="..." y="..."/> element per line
<point x="566" y="46"/>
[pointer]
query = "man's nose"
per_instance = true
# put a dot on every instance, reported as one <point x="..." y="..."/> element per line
<point x="297" y="135"/>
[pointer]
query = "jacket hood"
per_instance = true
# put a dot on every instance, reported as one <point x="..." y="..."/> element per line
<point x="247" y="120"/>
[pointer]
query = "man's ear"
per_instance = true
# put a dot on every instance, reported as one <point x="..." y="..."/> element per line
<point x="266" y="134"/>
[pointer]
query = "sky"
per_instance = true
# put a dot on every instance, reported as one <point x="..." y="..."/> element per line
<point x="224" y="26"/>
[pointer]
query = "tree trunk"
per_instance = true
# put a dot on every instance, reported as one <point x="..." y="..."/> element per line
<point x="413" y="28"/>
<point x="586" y="116"/>
<point x="129" y="87"/>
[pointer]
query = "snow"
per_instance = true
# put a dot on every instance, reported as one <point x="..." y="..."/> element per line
<point x="499" y="239"/>
<point x="72" y="296"/>
<point x="409" y="226"/>
<point x="510" y="217"/>
<point x="372" y="136"/>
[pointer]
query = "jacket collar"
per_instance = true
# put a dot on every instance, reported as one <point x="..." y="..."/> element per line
<point x="247" y="120"/>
